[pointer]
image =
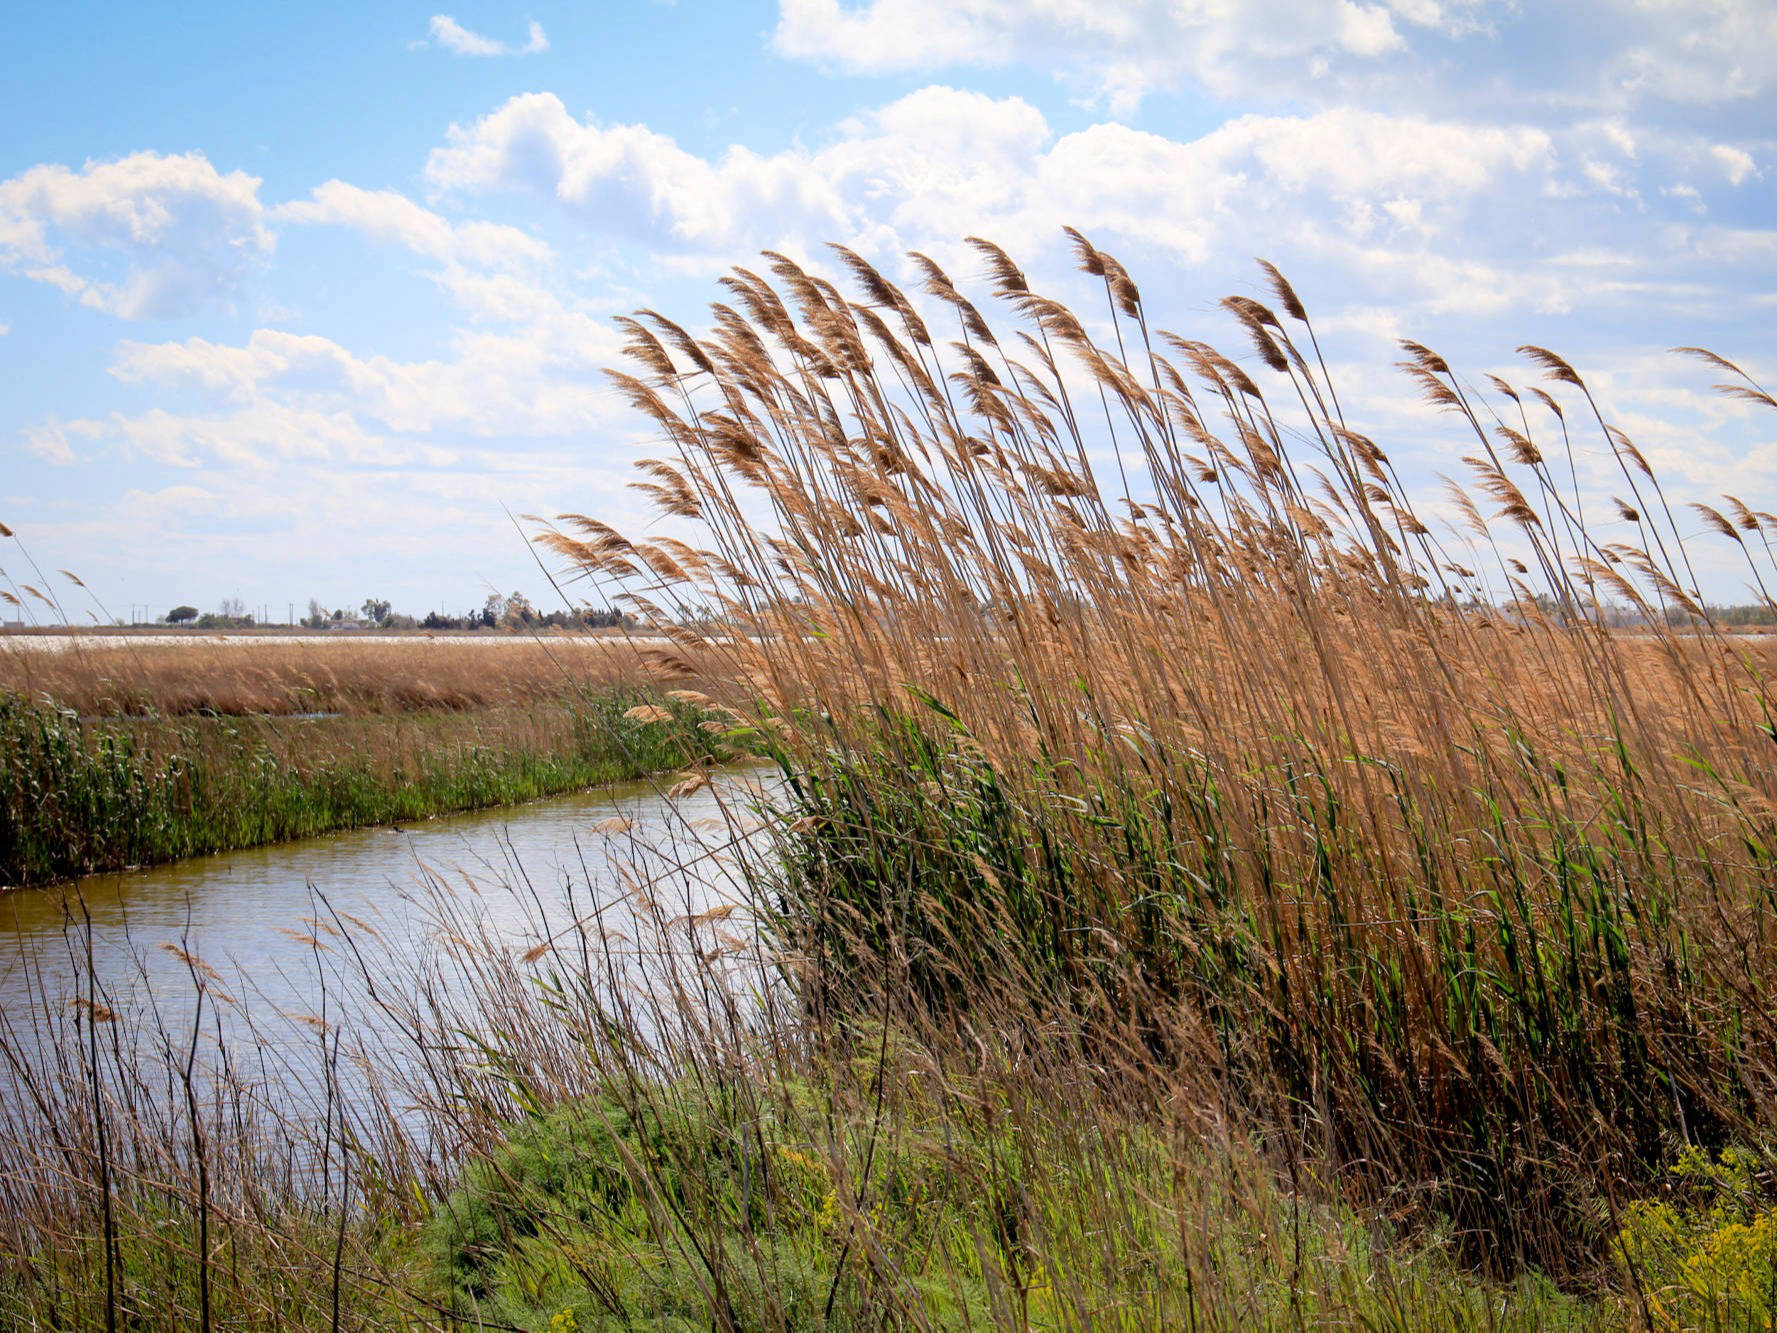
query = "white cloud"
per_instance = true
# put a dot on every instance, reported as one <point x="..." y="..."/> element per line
<point x="145" y="237"/>
<point x="54" y="440"/>
<point x="1698" y="51"/>
<point x="1416" y="213"/>
<point x="494" y="271"/>
<point x="1736" y="164"/>
<point x="256" y="436"/>
<point x="940" y="164"/>
<point x="538" y="381"/>
<point x="1120" y="51"/>
<point x="387" y="215"/>
<point x="630" y="178"/>
<point x="454" y="37"/>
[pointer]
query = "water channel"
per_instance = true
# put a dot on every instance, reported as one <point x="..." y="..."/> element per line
<point x="258" y="931"/>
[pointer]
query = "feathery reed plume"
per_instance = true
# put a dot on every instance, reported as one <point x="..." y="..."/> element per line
<point x="1212" y="768"/>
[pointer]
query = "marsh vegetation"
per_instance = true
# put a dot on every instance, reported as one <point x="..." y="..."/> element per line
<point x="1211" y="886"/>
<point x="119" y="755"/>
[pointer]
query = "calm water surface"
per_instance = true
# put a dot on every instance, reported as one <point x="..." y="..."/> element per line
<point x="267" y="924"/>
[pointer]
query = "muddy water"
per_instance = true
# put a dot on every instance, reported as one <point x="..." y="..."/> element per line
<point x="263" y="928"/>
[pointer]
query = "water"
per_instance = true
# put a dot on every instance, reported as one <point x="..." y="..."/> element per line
<point x="249" y="948"/>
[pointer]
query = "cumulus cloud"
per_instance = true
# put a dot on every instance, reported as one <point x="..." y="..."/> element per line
<point x="454" y="37"/>
<point x="1122" y="52"/>
<point x="940" y="164"/>
<point x="1735" y="163"/>
<point x="1705" y="52"/>
<point x="256" y="435"/>
<point x="1698" y="51"/>
<point x="53" y="440"/>
<point x="494" y="271"/>
<point x="634" y="180"/>
<point x="534" y="381"/>
<point x="1394" y="224"/>
<point x="390" y="216"/>
<point x="148" y="236"/>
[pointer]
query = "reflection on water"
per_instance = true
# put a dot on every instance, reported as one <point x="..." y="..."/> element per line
<point x="263" y="927"/>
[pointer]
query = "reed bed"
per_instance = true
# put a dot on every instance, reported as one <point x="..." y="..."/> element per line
<point x="113" y="676"/>
<point x="79" y="797"/>
<point x="1112" y="678"/>
<point x="114" y="754"/>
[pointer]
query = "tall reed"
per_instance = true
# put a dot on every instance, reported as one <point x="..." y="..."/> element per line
<point x="1108" y="675"/>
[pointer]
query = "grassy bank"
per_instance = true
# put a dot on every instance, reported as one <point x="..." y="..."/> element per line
<point x="79" y="796"/>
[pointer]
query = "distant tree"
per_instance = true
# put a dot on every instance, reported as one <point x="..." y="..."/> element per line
<point x="376" y="611"/>
<point x="180" y="614"/>
<point x="317" y="616"/>
<point x="519" y="611"/>
<point x="493" y="611"/>
<point x="232" y="608"/>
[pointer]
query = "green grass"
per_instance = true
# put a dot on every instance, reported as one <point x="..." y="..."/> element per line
<point x="664" y="1208"/>
<point x="287" y="1263"/>
<point x="77" y="797"/>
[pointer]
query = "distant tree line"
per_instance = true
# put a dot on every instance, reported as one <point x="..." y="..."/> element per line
<point x="511" y="612"/>
<point x="232" y="614"/>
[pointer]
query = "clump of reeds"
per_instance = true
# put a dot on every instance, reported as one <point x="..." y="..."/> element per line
<point x="1124" y="680"/>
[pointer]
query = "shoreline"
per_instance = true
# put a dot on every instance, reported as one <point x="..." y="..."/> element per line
<point x="84" y="797"/>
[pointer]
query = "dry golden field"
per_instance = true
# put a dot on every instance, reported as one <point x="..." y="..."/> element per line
<point x="288" y="674"/>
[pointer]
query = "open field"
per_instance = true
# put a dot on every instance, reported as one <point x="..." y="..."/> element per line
<point x="1206" y="896"/>
<point x="171" y="675"/>
<point x="57" y="640"/>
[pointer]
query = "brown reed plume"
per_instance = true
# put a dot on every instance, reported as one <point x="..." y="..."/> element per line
<point x="1103" y="670"/>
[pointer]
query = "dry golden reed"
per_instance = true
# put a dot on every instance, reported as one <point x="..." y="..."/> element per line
<point x="1120" y="672"/>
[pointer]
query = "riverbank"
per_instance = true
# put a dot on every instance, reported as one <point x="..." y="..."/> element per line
<point x="83" y="795"/>
<point x="875" y="1170"/>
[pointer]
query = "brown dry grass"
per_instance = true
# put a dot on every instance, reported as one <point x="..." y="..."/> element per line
<point x="239" y="677"/>
<point x="1126" y="683"/>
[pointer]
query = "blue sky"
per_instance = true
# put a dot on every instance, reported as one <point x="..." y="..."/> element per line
<point x="303" y="301"/>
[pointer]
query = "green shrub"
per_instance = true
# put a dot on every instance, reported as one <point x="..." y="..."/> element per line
<point x="1706" y="1258"/>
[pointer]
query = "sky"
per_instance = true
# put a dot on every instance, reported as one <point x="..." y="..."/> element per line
<point x="314" y="301"/>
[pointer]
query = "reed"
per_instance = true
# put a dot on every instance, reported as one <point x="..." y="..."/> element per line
<point x="116" y="676"/>
<point x="1106" y="674"/>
